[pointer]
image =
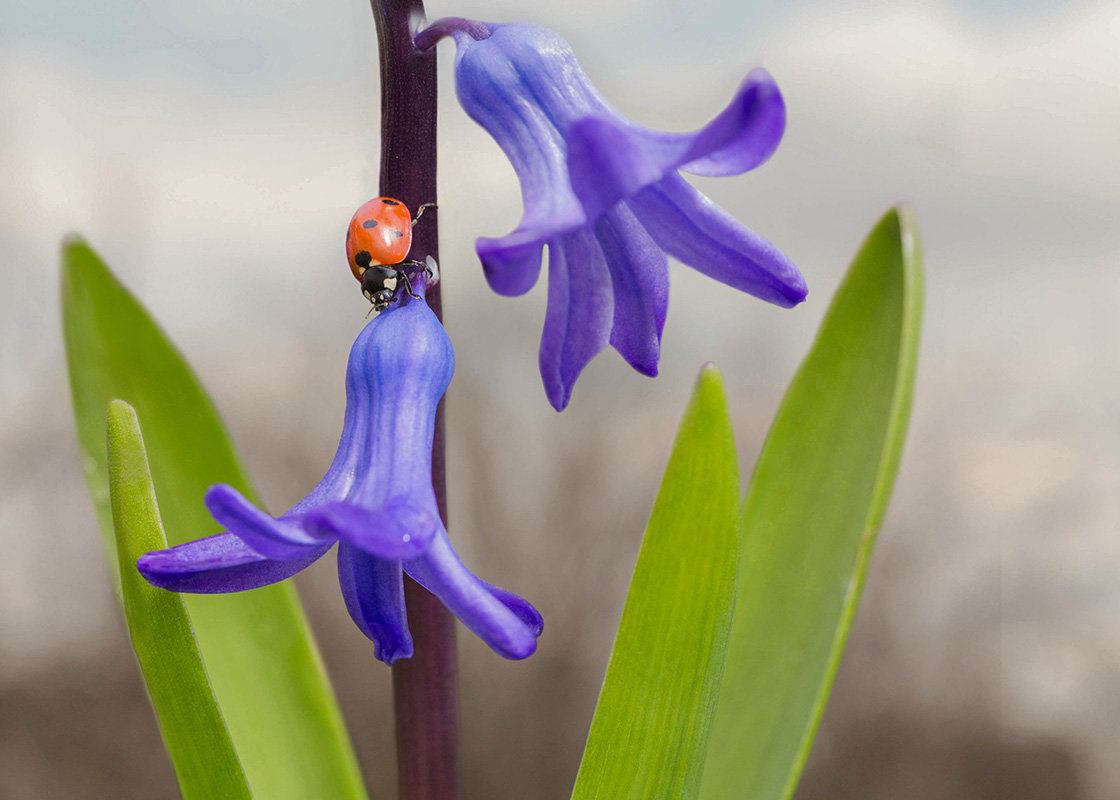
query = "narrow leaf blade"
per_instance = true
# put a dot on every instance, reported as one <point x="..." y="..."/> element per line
<point x="194" y="732"/>
<point x="263" y="665"/>
<point x="812" y="511"/>
<point x="650" y="729"/>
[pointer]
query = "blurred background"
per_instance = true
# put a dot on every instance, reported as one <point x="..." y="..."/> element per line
<point x="213" y="154"/>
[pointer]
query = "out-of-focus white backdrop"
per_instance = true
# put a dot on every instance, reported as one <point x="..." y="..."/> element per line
<point x="213" y="153"/>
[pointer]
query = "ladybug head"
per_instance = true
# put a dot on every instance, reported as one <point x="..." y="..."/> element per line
<point x="379" y="285"/>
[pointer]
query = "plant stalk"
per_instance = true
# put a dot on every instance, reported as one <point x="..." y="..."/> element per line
<point x="424" y="686"/>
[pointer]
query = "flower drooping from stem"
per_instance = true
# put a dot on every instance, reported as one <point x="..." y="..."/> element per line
<point x="376" y="501"/>
<point x="605" y="195"/>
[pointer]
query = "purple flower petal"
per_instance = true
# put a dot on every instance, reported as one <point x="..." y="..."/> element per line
<point x="744" y="135"/>
<point x="693" y="229"/>
<point x="396" y="531"/>
<point x="217" y="564"/>
<point x="281" y="539"/>
<point x="374" y="592"/>
<point x="519" y="606"/>
<point x="508" y="627"/>
<point x="640" y="280"/>
<point x="496" y="92"/>
<point x="376" y="498"/>
<point x="577" y="322"/>
<point x="511" y="264"/>
<point x="611" y="158"/>
<point x="607" y="163"/>
<point x="582" y="166"/>
<point x="399" y="368"/>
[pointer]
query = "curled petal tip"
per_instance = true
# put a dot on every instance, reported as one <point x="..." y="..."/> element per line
<point x="580" y="162"/>
<point x="151" y="568"/>
<point x="273" y="538"/>
<point x="798" y="292"/>
<point x="791" y="290"/>
<point x="522" y="608"/>
<point x="518" y="651"/>
<point x="511" y="267"/>
<point x="744" y="135"/>
<point x="520" y="641"/>
<point x="390" y="654"/>
<point x="507" y="623"/>
<point x="760" y="80"/>
<point x="558" y="394"/>
<point x="218" y="564"/>
<point x="373" y="589"/>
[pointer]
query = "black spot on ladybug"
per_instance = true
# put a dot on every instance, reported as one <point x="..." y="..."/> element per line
<point x="399" y="234"/>
<point x="369" y="223"/>
<point x="389" y="202"/>
<point x="362" y="259"/>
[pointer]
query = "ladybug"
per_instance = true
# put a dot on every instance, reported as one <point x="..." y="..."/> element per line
<point x="377" y="245"/>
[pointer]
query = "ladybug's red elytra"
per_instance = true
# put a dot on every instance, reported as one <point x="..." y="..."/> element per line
<point x="377" y="245"/>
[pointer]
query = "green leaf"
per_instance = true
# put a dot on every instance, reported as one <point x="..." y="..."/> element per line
<point x="812" y="511"/>
<point x="651" y="725"/>
<point x="262" y="662"/>
<point x="193" y="729"/>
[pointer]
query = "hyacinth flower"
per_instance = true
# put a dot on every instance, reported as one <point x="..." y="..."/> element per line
<point x="604" y="194"/>
<point x="376" y="501"/>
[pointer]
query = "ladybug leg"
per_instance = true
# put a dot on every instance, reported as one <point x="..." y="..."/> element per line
<point x="420" y="211"/>
<point x="429" y="266"/>
<point x="408" y="285"/>
<point x="432" y="269"/>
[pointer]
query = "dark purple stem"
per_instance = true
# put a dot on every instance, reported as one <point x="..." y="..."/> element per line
<point x="424" y="686"/>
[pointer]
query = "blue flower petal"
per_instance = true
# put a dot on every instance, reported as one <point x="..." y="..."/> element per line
<point x="374" y="592"/>
<point x="577" y="323"/>
<point x="376" y="499"/>
<point x="611" y="158"/>
<point x="586" y="169"/>
<point x="640" y="280"/>
<point x="282" y="539"/>
<point x="218" y="564"/>
<point x="519" y="606"/>
<point x="508" y="627"/>
<point x="511" y="264"/>
<point x="693" y="229"/>
<point x="499" y="95"/>
<point x="397" y="530"/>
<point x="400" y="366"/>
<point x="743" y="136"/>
<point x="607" y="163"/>
<point x="402" y="355"/>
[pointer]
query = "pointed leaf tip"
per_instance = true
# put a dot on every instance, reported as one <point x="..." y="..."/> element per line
<point x="710" y="375"/>
<point x="649" y="734"/>
<point x="259" y="654"/>
<point x="835" y="445"/>
<point x="192" y="726"/>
